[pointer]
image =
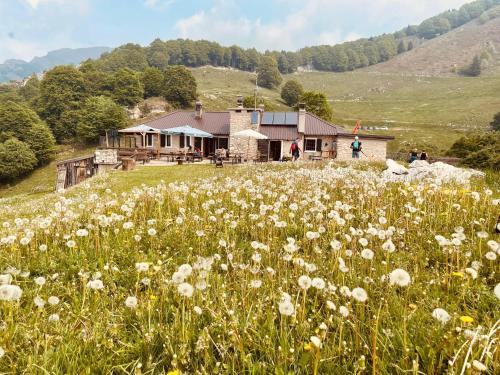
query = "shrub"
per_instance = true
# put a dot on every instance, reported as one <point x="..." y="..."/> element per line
<point x="16" y="159"/>
<point x="19" y="121"/>
<point x="478" y="151"/>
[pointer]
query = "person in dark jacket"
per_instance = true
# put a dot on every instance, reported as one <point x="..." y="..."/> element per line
<point x="423" y="155"/>
<point x="413" y="156"/>
<point x="356" y="148"/>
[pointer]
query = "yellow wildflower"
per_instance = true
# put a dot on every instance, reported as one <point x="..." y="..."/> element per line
<point x="457" y="274"/>
<point x="307" y="346"/>
<point x="466" y="319"/>
<point x="174" y="372"/>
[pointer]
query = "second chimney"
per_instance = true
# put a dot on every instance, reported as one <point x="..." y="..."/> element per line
<point x="301" y="123"/>
<point x="198" y="110"/>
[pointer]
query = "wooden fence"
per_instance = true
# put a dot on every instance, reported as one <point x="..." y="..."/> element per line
<point x="73" y="171"/>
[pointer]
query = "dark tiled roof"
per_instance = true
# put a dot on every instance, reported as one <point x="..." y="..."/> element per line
<point x="317" y="126"/>
<point x="280" y="132"/>
<point x="216" y="123"/>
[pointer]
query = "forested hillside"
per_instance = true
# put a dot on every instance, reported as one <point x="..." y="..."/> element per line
<point x="339" y="58"/>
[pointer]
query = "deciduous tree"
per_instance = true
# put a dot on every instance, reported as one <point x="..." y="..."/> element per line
<point x="268" y="74"/>
<point x="317" y="103"/>
<point x="126" y="87"/>
<point x="291" y="92"/>
<point x="62" y="89"/>
<point x="99" y="114"/>
<point x="180" y="86"/>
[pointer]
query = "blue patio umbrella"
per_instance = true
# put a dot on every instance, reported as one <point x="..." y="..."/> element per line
<point x="187" y="131"/>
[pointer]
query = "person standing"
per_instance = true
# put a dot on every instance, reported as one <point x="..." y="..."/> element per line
<point x="295" y="150"/>
<point x="423" y="155"/>
<point x="356" y="148"/>
<point x="413" y="156"/>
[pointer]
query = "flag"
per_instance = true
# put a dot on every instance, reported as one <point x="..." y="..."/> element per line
<point x="356" y="127"/>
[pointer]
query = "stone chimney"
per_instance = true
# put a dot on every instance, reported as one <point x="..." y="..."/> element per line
<point x="198" y="110"/>
<point x="239" y="101"/>
<point x="301" y="123"/>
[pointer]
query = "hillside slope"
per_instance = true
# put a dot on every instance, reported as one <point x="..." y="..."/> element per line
<point x="448" y="53"/>
<point x="417" y="110"/>
<point x="20" y="69"/>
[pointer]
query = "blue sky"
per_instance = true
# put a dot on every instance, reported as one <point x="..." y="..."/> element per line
<point x="31" y="28"/>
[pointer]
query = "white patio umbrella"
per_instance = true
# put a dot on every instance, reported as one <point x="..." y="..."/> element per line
<point x="249" y="134"/>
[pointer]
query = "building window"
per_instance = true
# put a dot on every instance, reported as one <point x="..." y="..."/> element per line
<point x="224" y="143"/>
<point x="165" y="140"/>
<point x="312" y="145"/>
<point x="149" y="140"/>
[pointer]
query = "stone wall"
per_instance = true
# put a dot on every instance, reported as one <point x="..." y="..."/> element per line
<point x="375" y="149"/>
<point x="241" y="119"/>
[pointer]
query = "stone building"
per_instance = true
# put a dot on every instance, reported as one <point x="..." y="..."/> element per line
<point x="317" y="138"/>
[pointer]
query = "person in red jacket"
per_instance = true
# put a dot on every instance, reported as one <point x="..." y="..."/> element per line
<point x="295" y="149"/>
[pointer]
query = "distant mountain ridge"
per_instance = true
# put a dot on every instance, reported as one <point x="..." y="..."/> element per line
<point x="14" y="69"/>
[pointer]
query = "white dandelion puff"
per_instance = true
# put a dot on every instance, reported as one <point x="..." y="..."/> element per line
<point x="441" y="315"/>
<point x="399" y="277"/>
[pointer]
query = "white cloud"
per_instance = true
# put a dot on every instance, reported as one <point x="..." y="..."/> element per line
<point x="12" y="48"/>
<point x="158" y="3"/>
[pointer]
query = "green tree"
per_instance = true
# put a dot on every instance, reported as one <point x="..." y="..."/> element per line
<point x="433" y="27"/>
<point x="157" y="54"/>
<point x="31" y="90"/>
<point x="495" y="124"/>
<point x="126" y="87"/>
<point x="19" y="121"/>
<point x="153" y="82"/>
<point x="131" y="56"/>
<point x="180" y="86"/>
<point x="61" y="90"/>
<point x="16" y="159"/>
<point x="317" y="103"/>
<point x="97" y="82"/>
<point x="475" y="68"/>
<point x="291" y="92"/>
<point x="41" y="142"/>
<point x="402" y="47"/>
<point x="99" y="114"/>
<point x="268" y="74"/>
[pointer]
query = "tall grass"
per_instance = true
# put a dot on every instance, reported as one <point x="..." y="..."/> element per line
<point x="270" y="269"/>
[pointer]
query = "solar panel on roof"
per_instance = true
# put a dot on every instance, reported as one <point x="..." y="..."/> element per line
<point x="267" y="118"/>
<point x="291" y="118"/>
<point x="279" y="118"/>
<point x="255" y="117"/>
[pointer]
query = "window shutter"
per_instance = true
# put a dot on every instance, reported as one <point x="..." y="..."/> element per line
<point x="181" y="141"/>
<point x="319" y="143"/>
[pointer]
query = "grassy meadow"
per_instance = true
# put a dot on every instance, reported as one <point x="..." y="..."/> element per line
<point x="43" y="180"/>
<point x="269" y="269"/>
<point x="431" y="112"/>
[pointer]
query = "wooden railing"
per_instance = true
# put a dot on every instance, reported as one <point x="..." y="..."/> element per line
<point x="73" y="171"/>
